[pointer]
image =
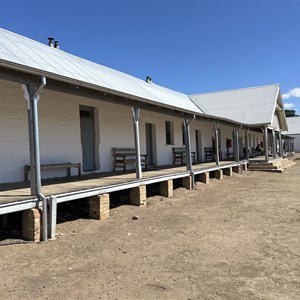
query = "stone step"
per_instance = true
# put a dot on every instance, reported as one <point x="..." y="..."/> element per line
<point x="267" y="170"/>
<point x="269" y="167"/>
<point x="272" y="166"/>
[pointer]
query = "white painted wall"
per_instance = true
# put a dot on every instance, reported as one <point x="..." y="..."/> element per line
<point x="59" y="125"/>
<point x="296" y="142"/>
<point x="14" y="147"/>
<point x="60" y="141"/>
<point x="164" y="151"/>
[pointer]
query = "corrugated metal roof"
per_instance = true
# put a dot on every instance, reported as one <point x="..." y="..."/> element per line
<point x="24" y="52"/>
<point x="293" y="125"/>
<point x="248" y="106"/>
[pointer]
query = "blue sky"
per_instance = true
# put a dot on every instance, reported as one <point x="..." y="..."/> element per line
<point x="191" y="46"/>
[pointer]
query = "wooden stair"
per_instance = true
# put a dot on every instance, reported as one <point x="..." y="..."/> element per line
<point x="277" y="165"/>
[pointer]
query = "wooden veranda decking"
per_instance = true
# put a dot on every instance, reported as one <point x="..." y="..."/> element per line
<point x="15" y="198"/>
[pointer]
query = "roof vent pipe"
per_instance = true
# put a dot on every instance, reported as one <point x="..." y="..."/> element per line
<point x="56" y="44"/>
<point x="50" y="42"/>
<point x="149" y="79"/>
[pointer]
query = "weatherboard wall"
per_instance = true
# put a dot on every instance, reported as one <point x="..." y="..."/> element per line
<point x="59" y="128"/>
<point x="296" y="142"/>
<point x="60" y="139"/>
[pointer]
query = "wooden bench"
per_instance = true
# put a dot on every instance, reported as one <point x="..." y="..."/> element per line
<point x="124" y="156"/>
<point x="209" y="154"/>
<point x="67" y="166"/>
<point x="179" y="155"/>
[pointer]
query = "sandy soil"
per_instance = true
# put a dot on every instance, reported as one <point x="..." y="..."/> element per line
<point x="238" y="238"/>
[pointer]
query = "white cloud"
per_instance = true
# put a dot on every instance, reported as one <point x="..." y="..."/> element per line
<point x="292" y="93"/>
<point x="289" y="105"/>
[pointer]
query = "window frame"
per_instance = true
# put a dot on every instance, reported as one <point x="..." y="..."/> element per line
<point x="169" y="131"/>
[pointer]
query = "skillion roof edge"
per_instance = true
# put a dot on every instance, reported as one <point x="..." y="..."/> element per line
<point x="38" y="72"/>
<point x="200" y="114"/>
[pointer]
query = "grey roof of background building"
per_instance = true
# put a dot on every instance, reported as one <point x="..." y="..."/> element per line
<point x="293" y="125"/>
<point x="37" y="58"/>
<point x="251" y="106"/>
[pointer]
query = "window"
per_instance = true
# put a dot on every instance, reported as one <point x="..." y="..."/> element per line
<point x="169" y="133"/>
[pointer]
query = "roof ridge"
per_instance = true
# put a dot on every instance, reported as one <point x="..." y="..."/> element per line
<point x="238" y="89"/>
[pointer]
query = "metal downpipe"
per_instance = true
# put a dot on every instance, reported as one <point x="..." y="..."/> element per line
<point x="247" y="143"/>
<point x="237" y="150"/>
<point x="36" y="145"/>
<point x="187" y="140"/>
<point x="280" y="144"/>
<point x="274" y="150"/>
<point x="217" y="144"/>
<point x="266" y="143"/>
<point x="136" y="116"/>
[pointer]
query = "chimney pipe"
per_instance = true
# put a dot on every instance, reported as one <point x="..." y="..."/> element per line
<point x="56" y="44"/>
<point x="149" y="79"/>
<point x="50" y="42"/>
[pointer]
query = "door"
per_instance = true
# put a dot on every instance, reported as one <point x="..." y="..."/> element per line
<point x="151" y="144"/>
<point x="87" y="129"/>
<point x="199" y="145"/>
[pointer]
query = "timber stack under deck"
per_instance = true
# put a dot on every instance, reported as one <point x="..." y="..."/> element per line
<point x="97" y="189"/>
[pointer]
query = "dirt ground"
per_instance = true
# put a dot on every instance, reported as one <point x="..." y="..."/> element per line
<point x="236" y="238"/>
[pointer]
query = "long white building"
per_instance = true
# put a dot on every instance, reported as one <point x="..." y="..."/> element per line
<point x="85" y="110"/>
<point x="59" y="110"/>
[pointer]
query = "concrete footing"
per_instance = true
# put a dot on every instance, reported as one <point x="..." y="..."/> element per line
<point x="187" y="182"/>
<point x="166" y="188"/>
<point x="99" y="207"/>
<point x="227" y="171"/>
<point x="204" y="177"/>
<point x="32" y="225"/>
<point x="138" y="196"/>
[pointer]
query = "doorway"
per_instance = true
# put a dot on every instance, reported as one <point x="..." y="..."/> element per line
<point x="87" y="130"/>
<point x="151" y="144"/>
<point x="198" y="145"/>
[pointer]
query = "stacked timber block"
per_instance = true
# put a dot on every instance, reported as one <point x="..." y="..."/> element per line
<point x="187" y="182"/>
<point x="138" y="196"/>
<point x="245" y="167"/>
<point x="218" y="174"/>
<point x="99" y="207"/>
<point x="237" y="169"/>
<point x="3" y="222"/>
<point x="32" y="224"/>
<point x="227" y="171"/>
<point x="166" y="188"/>
<point x="204" y="177"/>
